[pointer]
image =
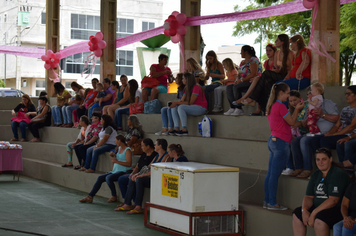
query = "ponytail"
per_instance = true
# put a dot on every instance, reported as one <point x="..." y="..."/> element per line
<point x="276" y="88"/>
<point x="177" y="148"/>
<point x="250" y="50"/>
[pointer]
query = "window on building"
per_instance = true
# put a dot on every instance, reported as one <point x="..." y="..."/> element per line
<point x="40" y="85"/>
<point x="43" y="18"/>
<point x="147" y="25"/>
<point x="124" y="27"/>
<point x="124" y="62"/>
<point x="82" y="26"/>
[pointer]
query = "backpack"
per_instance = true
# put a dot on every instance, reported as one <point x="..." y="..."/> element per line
<point x="152" y="107"/>
<point x="205" y="128"/>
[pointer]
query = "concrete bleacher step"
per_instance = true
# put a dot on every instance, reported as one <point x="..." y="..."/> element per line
<point x="5" y="117"/>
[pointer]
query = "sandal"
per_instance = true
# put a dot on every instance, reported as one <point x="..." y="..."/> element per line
<point x="112" y="199"/>
<point x="296" y="172"/>
<point x="23" y="140"/>
<point x="305" y="174"/>
<point x="246" y="103"/>
<point x="77" y="167"/>
<point x="14" y="139"/>
<point x="121" y="209"/>
<point x="134" y="212"/>
<point x="87" y="199"/>
<point x="66" y="165"/>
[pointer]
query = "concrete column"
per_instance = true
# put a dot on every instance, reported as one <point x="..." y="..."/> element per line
<point x="108" y="15"/>
<point x="192" y="37"/>
<point x="52" y="37"/>
<point x="327" y="30"/>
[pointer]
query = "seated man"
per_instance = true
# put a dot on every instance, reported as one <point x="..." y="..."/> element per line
<point x="321" y="204"/>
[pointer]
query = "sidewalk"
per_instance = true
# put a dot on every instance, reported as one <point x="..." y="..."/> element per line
<point x="41" y="208"/>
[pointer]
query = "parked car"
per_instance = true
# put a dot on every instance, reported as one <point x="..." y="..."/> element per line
<point x="10" y="92"/>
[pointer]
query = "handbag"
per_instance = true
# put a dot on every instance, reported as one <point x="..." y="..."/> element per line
<point x="149" y="82"/>
<point x="39" y="120"/>
<point x="153" y="107"/>
<point x="136" y="108"/>
<point x="21" y="117"/>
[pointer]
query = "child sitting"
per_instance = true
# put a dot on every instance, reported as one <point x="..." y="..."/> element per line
<point x="101" y="92"/>
<point x="317" y="89"/>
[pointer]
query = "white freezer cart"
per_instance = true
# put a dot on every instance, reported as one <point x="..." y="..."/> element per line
<point x="191" y="187"/>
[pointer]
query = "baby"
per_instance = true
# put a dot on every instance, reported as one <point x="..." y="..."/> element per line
<point x="317" y="89"/>
<point x="101" y="92"/>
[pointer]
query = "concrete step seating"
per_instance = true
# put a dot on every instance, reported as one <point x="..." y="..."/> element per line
<point x="238" y="141"/>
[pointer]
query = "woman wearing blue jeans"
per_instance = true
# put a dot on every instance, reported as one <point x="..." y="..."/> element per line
<point x="105" y="144"/>
<point x="192" y="103"/>
<point x="280" y="121"/>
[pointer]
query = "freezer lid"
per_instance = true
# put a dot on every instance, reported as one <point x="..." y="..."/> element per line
<point x="194" y="167"/>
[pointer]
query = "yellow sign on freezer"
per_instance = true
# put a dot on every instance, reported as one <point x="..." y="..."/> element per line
<point x="170" y="185"/>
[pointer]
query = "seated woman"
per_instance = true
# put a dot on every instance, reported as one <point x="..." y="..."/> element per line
<point x="321" y="204"/>
<point x="194" y="68"/>
<point x="268" y="65"/>
<point x="192" y="103"/>
<point x="62" y="95"/>
<point x="248" y="70"/>
<point x="142" y="179"/>
<point x="20" y="119"/>
<point x="121" y="163"/>
<point x="42" y="118"/>
<point x="89" y="99"/>
<point x="106" y="143"/>
<point x="146" y="158"/>
<point x="163" y="74"/>
<point x="166" y="113"/>
<point x="282" y="67"/>
<point x="347" y="226"/>
<point x="135" y="96"/>
<point x="120" y="99"/>
<point x="135" y="132"/>
<point x="84" y="123"/>
<point x="176" y="153"/>
<point x="73" y="104"/>
<point x="91" y="136"/>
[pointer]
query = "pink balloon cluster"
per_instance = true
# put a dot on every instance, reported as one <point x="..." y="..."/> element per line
<point x="309" y="4"/>
<point x="174" y="26"/>
<point x="51" y="59"/>
<point x="97" y="44"/>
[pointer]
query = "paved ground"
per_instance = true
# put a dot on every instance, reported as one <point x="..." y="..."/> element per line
<point x="40" y="208"/>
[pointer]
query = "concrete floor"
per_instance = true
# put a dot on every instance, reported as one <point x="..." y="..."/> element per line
<point x="41" y="208"/>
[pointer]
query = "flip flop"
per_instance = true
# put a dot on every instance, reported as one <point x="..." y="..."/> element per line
<point x="120" y="209"/>
<point x="134" y="212"/>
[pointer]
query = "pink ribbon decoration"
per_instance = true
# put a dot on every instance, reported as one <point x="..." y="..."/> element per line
<point x="52" y="62"/>
<point x="80" y="47"/>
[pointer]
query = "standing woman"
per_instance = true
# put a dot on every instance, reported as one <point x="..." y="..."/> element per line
<point x="215" y="70"/>
<point x="62" y="95"/>
<point x="72" y="105"/>
<point x="280" y="121"/>
<point x="300" y="74"/>
<point x="281" y="71"/>
<point x="42" y="118"/>
<point x="120" y="99"/>
<point x="19" y="117"/>
<point x="192" y="103"/>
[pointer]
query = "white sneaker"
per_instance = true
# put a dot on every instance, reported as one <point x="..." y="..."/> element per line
<point x="161" y="133"/>
<point x="217" y="109"/>
<point x="287" y="171"/>
<point x="238" y="112"/>
<point x="229" y="112"/>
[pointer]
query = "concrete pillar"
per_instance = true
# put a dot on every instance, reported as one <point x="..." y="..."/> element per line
<point x="52" y="37"/>
<point x="327" y="30"/>
<point x="108" y="13"/>
<point x="192" y="37"/>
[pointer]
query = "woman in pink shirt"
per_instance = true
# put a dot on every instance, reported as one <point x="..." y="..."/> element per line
<point x="280" y="121"/>
<point x="192" y="103"/>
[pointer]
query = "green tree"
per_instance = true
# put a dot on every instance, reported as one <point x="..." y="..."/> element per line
<point x="2" y="83"/>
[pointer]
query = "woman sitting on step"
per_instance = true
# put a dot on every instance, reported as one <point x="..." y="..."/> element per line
<point x="105" y="144"/>
<point x="141" y="180"/>
<point x="42" y="119"/>
<point x="176" y="153"/>
<point x="134" y="134"/>
<point x="121" y="163"/>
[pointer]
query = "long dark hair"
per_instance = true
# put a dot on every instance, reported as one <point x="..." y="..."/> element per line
<point x="276" y="88"/>
<point x="76" y="85"/>
<point x="177" y="148"/>
<point x="293" y="93"/>
<point x="285" y="39"/>
<point x="136" y="123"/>
<point x="179" y="81"/>
<point x="190" y="83"/>
<point x="250" y="50"/>
<point x="108" y="122"/>
<point x="133" y="88"/>
<point x="58" y="87"/>
<point x="163" y="143"/>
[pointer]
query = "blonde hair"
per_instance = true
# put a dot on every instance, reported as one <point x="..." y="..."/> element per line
<point x="229" y="64"/>
<point x="194" y="65"/>
<point x="300" y="43"/>
<point x="214" y="65"/>
<point x="276" y="88"/>
<point x="318" y="87"/>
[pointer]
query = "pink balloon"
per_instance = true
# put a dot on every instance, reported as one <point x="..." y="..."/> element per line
<point x="98" y="52"/>
<point x="49" y="53"/>
<point x="181" y="30"/>
<point x="174" y="24"/>
<point x="166" y="32"/>
<point x="309" y="4"/>
<point x="94" y="40"/>
<point x="166" y="25"/>
<point x="175" y="38"/>
<point x="94" y="47"/>
<point x="175" y="13"/>
<point x="181" y="18"/>
<point x="102" y="44"/>
<point x="44" y="58"/>
<point x="99" y="36"/>
<point x="171" y="17"/>
<point x="91" y="36"/>
<point x="172" y="32"/>
<point x="47" y="66"/>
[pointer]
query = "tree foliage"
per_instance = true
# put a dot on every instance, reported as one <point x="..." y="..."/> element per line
<point x="2" y="83"/>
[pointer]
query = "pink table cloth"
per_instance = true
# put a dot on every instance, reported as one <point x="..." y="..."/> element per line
<point x="11" y="160"/>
